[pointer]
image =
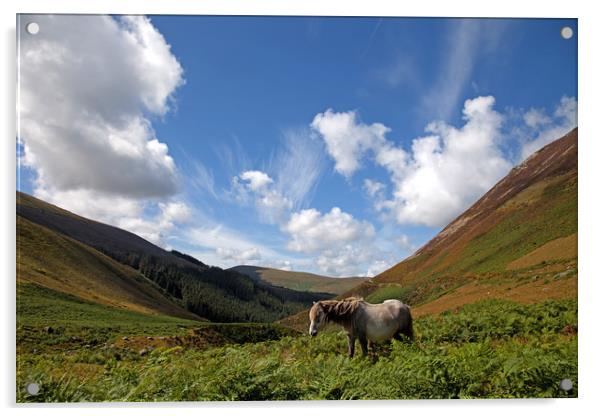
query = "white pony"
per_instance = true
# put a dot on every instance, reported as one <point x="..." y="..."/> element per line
<point x="364" y="321"/>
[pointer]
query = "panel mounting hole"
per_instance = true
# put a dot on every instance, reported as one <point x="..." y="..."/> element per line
<point x="32" y="28"/>
<point x="32" y="389"/>
<point x="566" y="32"/>
<point x="566" y="384"/>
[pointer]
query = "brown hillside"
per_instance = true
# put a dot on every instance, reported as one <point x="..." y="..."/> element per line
<point x="552" y="161"/>
<point x="553" y="168"/>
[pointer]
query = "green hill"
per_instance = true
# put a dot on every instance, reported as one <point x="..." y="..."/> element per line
<point x="203" y="291"/>
<point x="62" y="264"/>
<point x="308" y="282"/>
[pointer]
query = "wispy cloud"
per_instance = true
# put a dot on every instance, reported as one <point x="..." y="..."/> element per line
<point x="232" y="156"/>
<point x="298" y="166"/>
<point x="455" y="69"/>
<point x="371" y="38"/>
<point x="401" y="72"/>
<point x="202" y="179"/>
<point x="464" y="41"/>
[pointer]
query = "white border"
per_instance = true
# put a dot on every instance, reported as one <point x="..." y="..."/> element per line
<point x="590" y="176"/>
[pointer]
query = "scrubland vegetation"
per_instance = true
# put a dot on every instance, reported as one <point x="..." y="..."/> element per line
<point x="488" y="349"/>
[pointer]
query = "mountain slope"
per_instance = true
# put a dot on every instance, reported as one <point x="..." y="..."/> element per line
<point x="519" y="242"/>
<point x="308" y="282"/>
<point x="57" y="262"/>
<point x="208" y="292"/>
<point x="534" y="206"/>
<point x="102" y="237"/>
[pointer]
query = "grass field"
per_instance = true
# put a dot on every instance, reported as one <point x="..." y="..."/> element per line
<point x="488" y="349"/>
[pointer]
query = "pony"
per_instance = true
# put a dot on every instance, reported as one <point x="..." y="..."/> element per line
<point x="364" y="321"/>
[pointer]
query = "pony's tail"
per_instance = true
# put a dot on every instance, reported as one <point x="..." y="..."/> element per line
<point x="408" y="331"/>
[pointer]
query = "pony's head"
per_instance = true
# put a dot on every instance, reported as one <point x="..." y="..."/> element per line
<point x="317" y="315"/>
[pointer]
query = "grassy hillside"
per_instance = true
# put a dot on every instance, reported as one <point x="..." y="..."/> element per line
<point x="521" y="236"/>
<point x="491" y="349"/>
<point x="110" y="240"/>
<point x="517" y="242"/>
<point x="208" y="292"/>
<point x="57" y="262"/>
<point x="40" y="307"/>
<point x="307" y="282"/>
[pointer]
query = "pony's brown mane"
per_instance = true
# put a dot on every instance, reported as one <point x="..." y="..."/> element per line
<point x="340" y="311"/>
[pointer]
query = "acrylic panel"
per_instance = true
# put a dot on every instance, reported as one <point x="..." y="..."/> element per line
<point x="295" y="208"/>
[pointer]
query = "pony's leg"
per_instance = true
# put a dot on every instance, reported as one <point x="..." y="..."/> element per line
<point x="405" y="339"/>
<point x="364" y="345"/>
<point x="351" y="342"/>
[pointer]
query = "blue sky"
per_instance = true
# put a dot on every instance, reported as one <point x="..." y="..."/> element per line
<point x="332" y="145"/>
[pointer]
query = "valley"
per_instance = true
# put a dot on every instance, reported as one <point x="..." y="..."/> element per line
<point x="104" y="315"/>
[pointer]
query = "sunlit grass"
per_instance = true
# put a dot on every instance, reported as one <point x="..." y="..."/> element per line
<point x="488" y="349"/>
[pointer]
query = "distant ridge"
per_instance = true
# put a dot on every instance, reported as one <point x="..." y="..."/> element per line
<point x="301" y="280"/>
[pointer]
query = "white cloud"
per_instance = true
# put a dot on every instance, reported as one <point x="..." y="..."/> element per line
<point x="85" y="86"/>
<point x="174" y="212"/>
<point x="404" y="243"/>
<point x="296" y="168"/>
<point x="346" y="139"/>
<point x="392" y="158"/>
<point x="536" y="117"/>
<point x="272" y="206"/>
<point x="256" y="180"/>
<point x="543" y="129"/>
<point x="279" y="264"/>
<point x="239" y="257"/>
<point x="124" y="213"/>
<point x="444" y="172"/>
<point x="106" y="208"/>
<point x="312" y="231"/>
<point x="378" y="267"/>
<point x="157" y="228"/>
<point x="88" y="86"/>
<point x="219" y="245"/>
<point x="450" y="168"/>
<point x="257" y="186"/>
<point x="373" y="188"/>
<point x="353" y="260"/>
<point x="334" y="240"/>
